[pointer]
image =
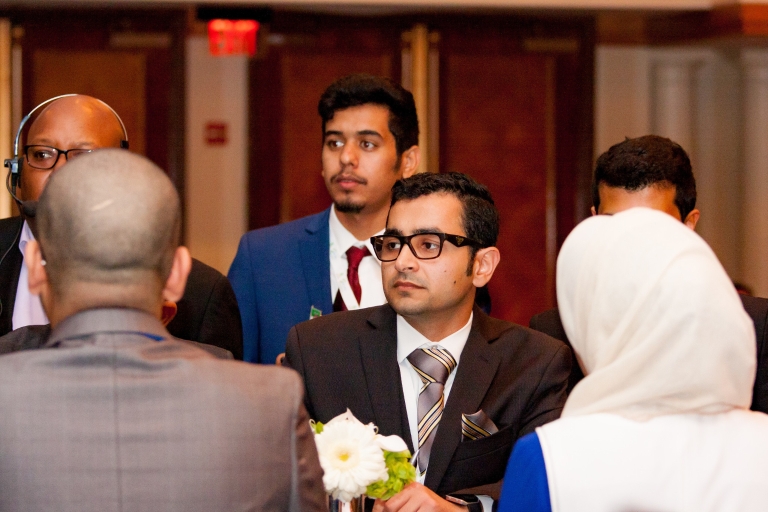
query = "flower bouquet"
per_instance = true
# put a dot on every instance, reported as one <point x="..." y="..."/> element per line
<point x="357" y="461"/>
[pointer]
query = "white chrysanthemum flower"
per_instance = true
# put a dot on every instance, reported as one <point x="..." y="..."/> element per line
<point x="350" y="457"/>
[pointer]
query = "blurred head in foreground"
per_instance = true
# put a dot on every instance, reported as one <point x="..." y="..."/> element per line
<point x="109" y="226"/>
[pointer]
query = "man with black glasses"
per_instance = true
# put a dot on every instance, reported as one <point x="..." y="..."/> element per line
<point x="430" y="366"/>
<point x="66" y="127"/>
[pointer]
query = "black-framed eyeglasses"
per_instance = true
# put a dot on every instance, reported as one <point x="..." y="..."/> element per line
<point x="45" y="157"/>
<point x="425" y="246"/>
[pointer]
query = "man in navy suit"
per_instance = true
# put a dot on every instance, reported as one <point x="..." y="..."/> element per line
<point x="286" y="274"/>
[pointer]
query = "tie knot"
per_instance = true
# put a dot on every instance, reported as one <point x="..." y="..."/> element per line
<point x="355" y="255"/>
<point x="433" y="364"/>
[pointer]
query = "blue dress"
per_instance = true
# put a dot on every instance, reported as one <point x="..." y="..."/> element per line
<point x="525" y="485"/>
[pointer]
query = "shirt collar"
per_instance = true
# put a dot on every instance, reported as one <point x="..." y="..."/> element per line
<point x="26" y="236"/>
<point x="409" y="339"/>
<point x="342" y="238"/>
<point x="92" y="321"/>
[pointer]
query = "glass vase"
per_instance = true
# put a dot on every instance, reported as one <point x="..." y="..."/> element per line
<point x="356" y="505"/>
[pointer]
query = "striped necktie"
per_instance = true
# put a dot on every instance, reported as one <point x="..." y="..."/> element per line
<point x="433" y="365"/>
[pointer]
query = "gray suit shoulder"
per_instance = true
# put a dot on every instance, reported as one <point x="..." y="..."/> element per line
<point x="264" y="380"/>
<point x="24" y="338"/>
<point x="217" y="352"/>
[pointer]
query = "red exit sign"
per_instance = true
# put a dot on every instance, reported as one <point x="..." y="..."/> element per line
<point x="232" y="37"/>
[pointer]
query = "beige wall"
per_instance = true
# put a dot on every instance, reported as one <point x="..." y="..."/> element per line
<point x="7" y="131"/>
<point x="216" y="176"/>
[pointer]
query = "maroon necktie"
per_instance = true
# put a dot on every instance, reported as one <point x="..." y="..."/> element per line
<point x="354" y="256"/>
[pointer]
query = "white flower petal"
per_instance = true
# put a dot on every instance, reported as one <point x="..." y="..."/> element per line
<point x="350" y="456"/>
<point x="347" y="416"/>
<point x="391" y="443"/>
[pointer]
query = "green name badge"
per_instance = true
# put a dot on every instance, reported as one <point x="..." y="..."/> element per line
<point x="314" y="312"/>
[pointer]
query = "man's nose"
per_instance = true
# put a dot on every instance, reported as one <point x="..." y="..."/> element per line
<point x="406" y="261"/>
<point x="349" y="155"/>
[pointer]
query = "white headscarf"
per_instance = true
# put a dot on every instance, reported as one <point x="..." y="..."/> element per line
<point x="654" y="319"/>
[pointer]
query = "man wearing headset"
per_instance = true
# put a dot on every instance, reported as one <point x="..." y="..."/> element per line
<point x="65" y="128"/>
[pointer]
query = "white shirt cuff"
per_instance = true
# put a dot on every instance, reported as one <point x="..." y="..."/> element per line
<point x="486" y="501"/>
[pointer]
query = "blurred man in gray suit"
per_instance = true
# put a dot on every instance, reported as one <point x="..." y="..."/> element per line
<point x="116" y="414"/>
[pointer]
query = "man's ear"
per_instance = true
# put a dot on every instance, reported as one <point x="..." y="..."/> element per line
<point x="409" y="161"/>
<point x="692" y="218"/>
<point x="486" y="261"/>
<point x="594" y="212"/>
<point x="36" y="273"/>
<point x="177" y="279"/>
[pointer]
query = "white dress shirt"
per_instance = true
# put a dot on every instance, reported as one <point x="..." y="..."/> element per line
<point x="27" y="309"/>
<point x="408" y="340"/>
<point x="369" y="271"/>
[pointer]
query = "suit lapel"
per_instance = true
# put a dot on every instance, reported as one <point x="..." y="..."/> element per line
<point x="10" y="269"/>
<point x="315" y="262"/>
<point x="474" y="376"/>
<point x="382" y="373"/>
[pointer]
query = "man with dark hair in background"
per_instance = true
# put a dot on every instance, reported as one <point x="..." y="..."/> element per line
<point x="116" y="414"/>
<point x="65" y="128"/>
<point x="648" y="171"/>
<point x="429" y="365"/>
<point x="654" y="172"/>
<point x="285" y="274"/>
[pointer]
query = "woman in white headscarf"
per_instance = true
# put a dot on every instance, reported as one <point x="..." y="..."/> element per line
<point x="661" y="420"/>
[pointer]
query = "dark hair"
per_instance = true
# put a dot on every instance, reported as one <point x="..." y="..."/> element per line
<point x="649" y="160"/>
<point x="361" y="89"/>
<point x="479" y="215"/>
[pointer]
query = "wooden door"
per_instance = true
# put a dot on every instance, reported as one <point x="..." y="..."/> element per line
<point x="498" y="129"/>
<point x="131" y="59"/>
<point x="120" y="83"/>
<point x="512" y="98"/>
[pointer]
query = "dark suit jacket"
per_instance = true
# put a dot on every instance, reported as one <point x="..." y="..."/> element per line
<point x="35" y="336"/>
<point x="549" y="322"/>
<point x="207" y="312"/>
<point x="10" y="268"/>
<point x="279" y="274"/>
<point x="515" y="375"/>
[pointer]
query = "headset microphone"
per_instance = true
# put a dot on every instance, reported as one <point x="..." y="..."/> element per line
<point x="29" y="208"/>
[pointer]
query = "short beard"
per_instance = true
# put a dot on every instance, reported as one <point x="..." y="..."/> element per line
<point x="355" y="208"/>
<point x="348" y="207"/>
